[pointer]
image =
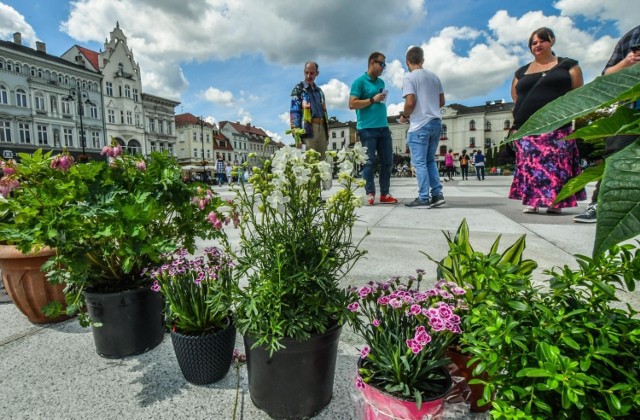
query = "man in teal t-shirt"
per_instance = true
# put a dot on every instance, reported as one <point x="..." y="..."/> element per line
<point x="367" y="97"/>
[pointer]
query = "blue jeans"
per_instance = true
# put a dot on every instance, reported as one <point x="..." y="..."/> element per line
<point x="377" y="140"/>
<point x="220" y="178"/>
<point x="423" y="144"/>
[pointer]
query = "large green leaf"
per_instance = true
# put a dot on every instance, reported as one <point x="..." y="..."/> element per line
<point x="575" y="184"/>
<point x="624" y="119"/>
<point x="619" y="199"/>
<point x="601" y="92"/>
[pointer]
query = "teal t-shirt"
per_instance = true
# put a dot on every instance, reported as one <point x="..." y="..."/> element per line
<point x="374" y="115"/>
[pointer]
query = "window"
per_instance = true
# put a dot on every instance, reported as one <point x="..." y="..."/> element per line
<point x="40" y="73"/>
<point x="135" y="95"/>
<point x="208" y="154"/>
<point x="39" y="100"/>
<point x="111" y="116"/>
<point x="121" y="117"/>
<point x="66" y="80"/>
<point x="134" y="147"/>
<point x="333" y="134"/>
<point x="93" y="111"/>
<point x="95" y="140"/>
<point x="54" y="103"/>
<point x="507" y="124"/>
<point x="153" y="146"/>
<point x="161" y="126"/>
<point x="137" y="117"/>
<point x="60" y="79"/>
<point x="487" y="126"/>
<point x="443" y="150"/>
<point x="443" y="133"/>
<point x="32" y="71"/>
<point x="195" y="153"/>
<point x="1" y="64"/>
<point x="472" y="125"/>
<point x="5" y="131"/>
<point x="9" y="66"/>
<point x="194" y="136"/>
<point x="4" y="97"/>
<point x="472" y="142"/>
<point x="152" y="125"/>
<point x="24" y="133"/>
<point x="21" y="98"/>
<point x="120" y="91"/>
<point x="170" y="149"/>
<point x="43" y="136"/>
<point x="109" y="89"/>
<point x="127" y="91"/>
<point x="66" y="107"/>
<point x="67" y="137"/>
<point x="129" y="118"/>
<point x="169" y="128"/>
<point x="17" y="68"/>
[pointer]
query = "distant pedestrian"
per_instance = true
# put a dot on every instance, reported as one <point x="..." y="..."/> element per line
<point x="479" y="164"/>
<point x="228" y="169"/>
<point x="464" y="164"/>
<point x="449" y="165"/>
<point x="220" y="169"/>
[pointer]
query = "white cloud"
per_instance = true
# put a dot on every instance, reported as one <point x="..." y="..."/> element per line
<point x="11" y="22"/>
<point x="395" y="109"/>
<point x="624" y="13"/>
<point x="218" y="97"/>
<point x="245" y="116"/>
<point x="284" y="117"/>
<point x="336" y="94"/>
<point x="394" y="73"/>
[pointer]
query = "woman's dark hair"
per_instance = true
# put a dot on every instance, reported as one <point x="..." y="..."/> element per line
<point x="544" y="34"/>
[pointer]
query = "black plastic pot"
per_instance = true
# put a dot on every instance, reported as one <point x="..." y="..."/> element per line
<point x="205" y="359"/>
<point x="297" y="381"/>
<point x="132" y="321"/>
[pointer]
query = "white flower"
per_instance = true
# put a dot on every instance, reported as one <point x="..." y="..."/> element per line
<point x="359" y="153"/>
<point x="342" y="154"/>
<point x="325" y="170"/>
<point x="277" y="201"/>
<point x="346" y="168"/>
<point x="302" y="174"/>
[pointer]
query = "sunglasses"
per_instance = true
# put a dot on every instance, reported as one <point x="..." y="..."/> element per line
<point x="382" y="63"/>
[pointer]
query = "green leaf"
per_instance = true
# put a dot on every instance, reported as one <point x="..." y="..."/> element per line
<point x="575" y="184"/>
<point x="619" y="199"/>
<point x="622" y="119"/>
<point x="600" y="93"/>
<point x="533" y="373"/>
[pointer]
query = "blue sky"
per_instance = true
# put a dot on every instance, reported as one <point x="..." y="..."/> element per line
<point x="238" y="60"/>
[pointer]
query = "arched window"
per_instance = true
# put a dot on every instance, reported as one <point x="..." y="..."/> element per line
<point x="1" y="64"/>
<point x="487" y="126"/>
<point x="39" y="102"/>
<point x="4" y="95"/>
<point x="21" y="98"/>
<point x="17" y="68"/>
<point x="507" y="124"/>
<point x="134" y="147"/>
<point x="472" y="125"/>
<point x="443" y="134"/>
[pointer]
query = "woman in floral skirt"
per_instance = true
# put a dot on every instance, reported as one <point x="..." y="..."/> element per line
<point x="544" y="163"/>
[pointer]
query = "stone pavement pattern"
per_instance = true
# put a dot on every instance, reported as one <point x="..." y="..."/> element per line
<point x="53" y="371"/>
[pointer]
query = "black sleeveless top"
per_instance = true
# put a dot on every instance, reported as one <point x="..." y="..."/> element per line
<point x="554" y="84"/>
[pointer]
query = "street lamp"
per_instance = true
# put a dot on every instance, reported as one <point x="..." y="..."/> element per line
<point x="80" y="97"/>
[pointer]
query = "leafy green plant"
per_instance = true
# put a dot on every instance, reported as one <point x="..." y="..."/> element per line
<point x="294" y="247"/>
<point x="619" y="196"/>
<point x="566" y="352"/>
<point x="108" y="221"/>
<point x="197" y="291"/>
<point x="406" y="331"/>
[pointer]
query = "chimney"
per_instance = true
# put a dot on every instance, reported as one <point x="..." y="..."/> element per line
<point x="41" y="47"/>
<point x="17" y="38"/>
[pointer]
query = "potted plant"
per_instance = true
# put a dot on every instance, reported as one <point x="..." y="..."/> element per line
<point x="487" y="277"/>
<point x="294" y="250"/>
<point x="197" y="295"/>
<point x="566" y="351"/>
<point x="25" y="282"/>
<point x="108" y="221"/>
<point x="406" y="331"/>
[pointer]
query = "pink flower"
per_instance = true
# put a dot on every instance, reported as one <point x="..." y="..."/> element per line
<point x="62" y="162"/>
<point x="359" y="383"/>
<point x="423" y="338"/>
<point x="364" y="352"/>
<point x="383" y="300"/>
<point x="156" y="286"/>
<point x="376" y="323"/>
<point x="437" y="324"/>
<point x="395" y="303"/>
<point x="141" y="165"/>
<point x="353" y="307"/>
<point x="364" y="291"/>
<point x="416" y="309"/>
<point x="445" y="312"/>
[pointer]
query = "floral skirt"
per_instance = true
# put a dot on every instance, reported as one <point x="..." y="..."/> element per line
<point x="544" y="163"/>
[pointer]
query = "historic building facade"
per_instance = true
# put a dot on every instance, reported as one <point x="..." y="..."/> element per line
<point x="48" y="102"/>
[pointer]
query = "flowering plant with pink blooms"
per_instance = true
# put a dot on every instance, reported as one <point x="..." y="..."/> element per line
<point x="197" y="291"/>
<point x="406" y="332"/>
<point x="108" y="220"/>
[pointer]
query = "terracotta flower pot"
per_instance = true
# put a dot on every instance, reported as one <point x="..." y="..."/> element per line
<point x="461" y="361"/>
<point x="26" y="284"/>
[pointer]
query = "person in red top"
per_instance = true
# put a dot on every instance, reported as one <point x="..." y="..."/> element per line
<point x="449" y="165"/>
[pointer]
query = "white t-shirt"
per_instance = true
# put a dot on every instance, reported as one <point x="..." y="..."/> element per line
<point x="426" y="87"/>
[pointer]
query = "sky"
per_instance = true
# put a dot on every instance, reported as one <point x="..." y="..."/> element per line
<point x="238" y="60"/>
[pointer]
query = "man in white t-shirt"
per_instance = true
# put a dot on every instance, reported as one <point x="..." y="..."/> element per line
<point x="424" y="96"/>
